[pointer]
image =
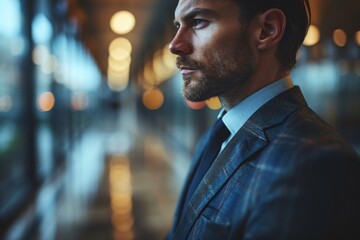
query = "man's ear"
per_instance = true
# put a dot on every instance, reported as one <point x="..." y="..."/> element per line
<point x="272" y="23"/>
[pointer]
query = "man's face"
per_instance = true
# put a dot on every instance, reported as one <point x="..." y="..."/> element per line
<point x="213" y="49"/>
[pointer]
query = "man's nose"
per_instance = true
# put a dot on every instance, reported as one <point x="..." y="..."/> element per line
<point x="180" y="45"/>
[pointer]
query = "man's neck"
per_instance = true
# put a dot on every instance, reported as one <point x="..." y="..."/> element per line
<point x="258" y="81"/>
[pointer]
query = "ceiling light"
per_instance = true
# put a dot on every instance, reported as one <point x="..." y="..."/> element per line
<point x="122" y="22"/>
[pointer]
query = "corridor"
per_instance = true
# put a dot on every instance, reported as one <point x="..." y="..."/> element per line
<point x="123" y="184"/>
<point x="95" y="135"/>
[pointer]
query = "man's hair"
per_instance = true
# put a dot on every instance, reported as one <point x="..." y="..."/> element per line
<point x="298" y="18"/>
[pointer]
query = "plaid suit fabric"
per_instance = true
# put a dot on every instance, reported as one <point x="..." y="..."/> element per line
<point x="285" y="175"/>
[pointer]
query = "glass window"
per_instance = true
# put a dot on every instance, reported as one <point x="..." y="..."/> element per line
<point x="15" y="162"/>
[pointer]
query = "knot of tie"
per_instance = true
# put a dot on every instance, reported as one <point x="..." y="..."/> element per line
<point x="219" y="134"/>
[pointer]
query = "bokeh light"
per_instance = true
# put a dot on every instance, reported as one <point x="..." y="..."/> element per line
<point x="122" y="22"/>
<point x="120" y="48"/>
<point x="118" y="81"/>
<point x="357" y="37"/>
<point x="312" y="37"/>
<point x="153" y="99"/>
<point x="46" y="101"/>
<point x="214" y="103"/>
<point x="169" y="58"/>
<point x="340" y="37"/>
<point x="119" y="64"/>
<point x="195" y="105"/>
<point x="121" y="197"/>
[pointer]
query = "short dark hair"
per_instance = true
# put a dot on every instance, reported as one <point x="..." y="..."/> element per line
<point x="298" y="18"/>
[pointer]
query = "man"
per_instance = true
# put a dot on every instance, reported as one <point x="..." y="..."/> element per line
<point x="282" y="172"/>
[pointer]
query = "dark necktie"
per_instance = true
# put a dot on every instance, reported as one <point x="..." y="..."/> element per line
<point x="218" y="135"/>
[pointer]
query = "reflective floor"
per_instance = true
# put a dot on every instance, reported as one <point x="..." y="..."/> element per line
<point x="122" y="183"/>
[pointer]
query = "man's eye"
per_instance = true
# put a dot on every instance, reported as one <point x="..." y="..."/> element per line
<point x="199" y="23"/>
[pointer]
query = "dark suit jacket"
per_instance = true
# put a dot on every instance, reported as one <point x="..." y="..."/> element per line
<point x="286" y="174"/>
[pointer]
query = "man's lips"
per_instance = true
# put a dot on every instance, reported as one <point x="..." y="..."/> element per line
<point x="186" y="70"/>
<point x="187" y="66"/>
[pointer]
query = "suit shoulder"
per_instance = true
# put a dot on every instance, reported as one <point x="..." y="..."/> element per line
<point x="306" y="126"/>
<point x="305" y="135"/>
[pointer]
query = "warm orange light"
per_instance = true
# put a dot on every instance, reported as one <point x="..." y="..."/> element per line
<point x="121" y="206"/>
<point x="160" y="70"/>
<point x="46" y="101"/>
<point x="313" y="36"/>
<point x="121" y="217"/>
<point x="164" y="64"/>
<point x="119" y="186"/>
<point x="357" y="37"/>
<point x="153" y="99"/>
<point x="149" y="80"/>
<point x="340" y="37"/>
<point x="125" y="226"/>
<point x="195" y="105"/>
<point x="120" y="197"/>
<point x="124" y="235"/>
<point x="122" y="212"/>
<point x="119" y="174"/>
<point x="213" y="103"/>
<point x="169" y="58"/>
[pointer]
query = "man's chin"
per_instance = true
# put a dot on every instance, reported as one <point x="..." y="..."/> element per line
<point x="194" y="96"/>
<point x="194" y="100"/>
<point x="195" y="90"/>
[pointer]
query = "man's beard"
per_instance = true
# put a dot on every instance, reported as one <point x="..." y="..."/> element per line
<point x="225" y="72"/>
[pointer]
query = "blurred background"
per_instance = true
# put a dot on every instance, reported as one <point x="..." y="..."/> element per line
<point x="95" y="136"/>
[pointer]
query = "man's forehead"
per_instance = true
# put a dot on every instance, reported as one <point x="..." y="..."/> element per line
<point x="187" y="5"/>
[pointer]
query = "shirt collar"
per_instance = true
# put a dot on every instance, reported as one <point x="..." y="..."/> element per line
<point x="236" y="117"/>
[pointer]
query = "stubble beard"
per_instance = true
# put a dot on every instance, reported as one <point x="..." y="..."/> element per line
<point x="227" y="70"/>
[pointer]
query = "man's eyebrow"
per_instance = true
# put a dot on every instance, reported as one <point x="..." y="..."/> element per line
<point x="194" y="12"/>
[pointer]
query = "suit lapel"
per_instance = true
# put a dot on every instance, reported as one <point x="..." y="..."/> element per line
<point x="238" y="150"/>
<point x="197" y="156"/>
<point x="251" y="138"/>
